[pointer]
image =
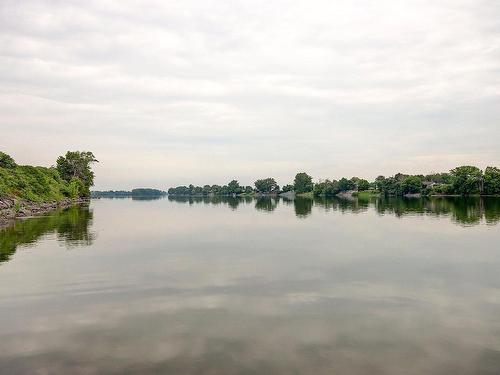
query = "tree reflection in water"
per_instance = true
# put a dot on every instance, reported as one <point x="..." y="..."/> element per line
<point x="71" y="226"/>
<point x="464" y="211"/>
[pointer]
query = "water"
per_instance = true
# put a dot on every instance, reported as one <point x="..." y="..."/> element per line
<point x="235" y="286"/>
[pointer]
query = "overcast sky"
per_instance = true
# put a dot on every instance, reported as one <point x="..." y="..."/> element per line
<point x="177" y="92"/>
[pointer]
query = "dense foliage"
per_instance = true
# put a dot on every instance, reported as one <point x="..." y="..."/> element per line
<point x="6" y="161"/>
<point x="76" y="166"/>
<point x="41" y="184"/>
<point x="267" y="185"/>
<point x="303" y="183"/>
<point x="491" y="184"/>
<point x="146" y="192"/>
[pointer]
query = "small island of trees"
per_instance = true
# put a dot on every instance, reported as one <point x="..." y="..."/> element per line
<point x="134" y="193"/>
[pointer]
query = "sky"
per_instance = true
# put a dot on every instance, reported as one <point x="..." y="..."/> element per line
<point x="176" y="92"/>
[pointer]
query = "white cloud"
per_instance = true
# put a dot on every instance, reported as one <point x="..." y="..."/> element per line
<point x="208" y="91"/>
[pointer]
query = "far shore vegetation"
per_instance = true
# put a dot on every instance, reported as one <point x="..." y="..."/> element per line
<point x="134" y="193"/>
<point x="460" y="181"/>
<point x="70" y="178"/>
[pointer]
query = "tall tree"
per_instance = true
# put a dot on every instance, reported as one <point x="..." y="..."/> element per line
<point x="363" y="184"/>
<point x="491" y="181"/>
<point x="303" y="183"/>
<point x="77" y="165"/>
<point x="411" y="185"/>
<point x="234" y="187"/>
<point x="345" y="184"/>
<point x="466" y="180"/>
<point x="266" y="185"/>
<point x="6" y="161"/>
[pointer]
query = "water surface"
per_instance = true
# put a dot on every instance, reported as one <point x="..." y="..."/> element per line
<point x="245" y="286"/>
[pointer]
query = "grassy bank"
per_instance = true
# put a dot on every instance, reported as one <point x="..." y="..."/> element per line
<point x="305" y="195"/>
<point x="36" y="184"/>
<point x="70" y="180"/>
<point x="366" y="194"/>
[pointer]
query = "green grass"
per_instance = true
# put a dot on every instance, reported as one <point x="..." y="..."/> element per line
<point x="305" y="195"/>
<point x="366" y="194"/>
<point x="35" y="184"/>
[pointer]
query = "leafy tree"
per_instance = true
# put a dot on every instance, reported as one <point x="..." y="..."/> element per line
<point x="363" y="185"/>
<point x="400" y="176"/>
<point x="287" y="188"/>
<point x="326" y="188"/>
<point x="380" y="183"/>
<point x="303" y="183"/>
<point x="388" y="186"/>
<point x="438" y="178"/>
<point x="345" y="184"/>
<point x="411" y="185"/>
<point x="234" y="187"/>
<point x="248" y="189"/>
<point x="491" y="180"/>
<point x="6" y="161"/>
<point x="206" y="190"/>
<point x="466" y="180"/>
<point x="266" y="185"/>
<point x="76" y="164"/>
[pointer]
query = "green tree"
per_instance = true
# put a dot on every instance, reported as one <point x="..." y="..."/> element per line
<point x="363" y="185"/>
<point x="287" y="188"/>
<point x="326" y="188"/>
<point x="438" y="178"/>
<point x="266" y="185"/>
<point x="234" y="187"/>
<point x="380" y="183"/>
<point x="206" y="190"/>
<point x="77" y="165"/>
<point x="345" y="184"/>
<point x="466" y="180"/>
<point x="388" y="186"/>
<point x="6" y="161"/>
<point x="411" y="185"/>
<point x="303" y="183"/>
<point x="491" y="181"/>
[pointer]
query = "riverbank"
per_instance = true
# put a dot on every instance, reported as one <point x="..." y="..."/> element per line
<point x="12" y="209"/>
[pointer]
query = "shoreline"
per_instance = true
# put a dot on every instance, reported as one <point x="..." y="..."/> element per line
<point x="12" y="209"/>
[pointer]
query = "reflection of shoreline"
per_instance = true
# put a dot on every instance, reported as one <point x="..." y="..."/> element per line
<point x="9" y="212"/>
<point x="465" y="211"/>
<point x="71" y="225"/>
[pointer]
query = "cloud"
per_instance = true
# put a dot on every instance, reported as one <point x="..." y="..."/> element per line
<point x="206" y="92"/>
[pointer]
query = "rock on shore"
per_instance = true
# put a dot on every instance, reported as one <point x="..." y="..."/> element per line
<point x="11" y="209"/>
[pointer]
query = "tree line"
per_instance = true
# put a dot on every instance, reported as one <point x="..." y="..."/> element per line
<point x="138" y="192"/>
<point x="463" y="180"/>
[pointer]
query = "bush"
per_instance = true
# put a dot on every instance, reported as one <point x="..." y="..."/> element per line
<point x="6" y="161"/>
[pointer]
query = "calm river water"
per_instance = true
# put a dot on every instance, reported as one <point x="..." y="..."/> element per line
<point x="235" y="286"/>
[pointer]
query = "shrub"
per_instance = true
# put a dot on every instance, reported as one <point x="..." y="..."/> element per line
<point x="6" y="161"/>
